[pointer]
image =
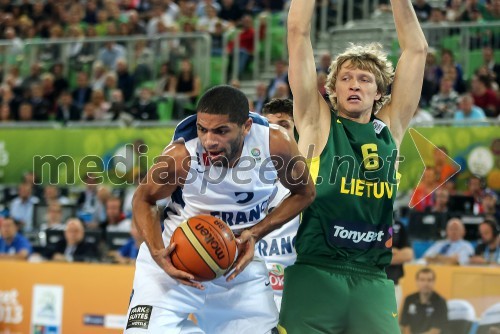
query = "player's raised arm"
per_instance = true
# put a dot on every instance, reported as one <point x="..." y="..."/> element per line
<point x="162" y="180"/>
<point x="408" y="78"/>
<point x="310" y="111"/>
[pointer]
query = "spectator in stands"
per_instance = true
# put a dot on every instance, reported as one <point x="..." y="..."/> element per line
<point x="422" y="9"/>
<point x="142" y="62"/>
<point x="14" y="101"/>
<point x="110" y="84"/>
<point x="25" y="112"/>
<point x="430" y="83"/>
<point x="488" y="250"/>
<point x="475" y="189"/>
<point x="401" y="253"/>
<point x="74" y="248"/>
<point x="135" y="25"/>
<point x="89" y="112"/>
<point x="16" y="47"/>
<point x="52" y="194"/>
<point x="126" y="82"/>
<point x="115" y="218"/>
<point x="454" y="10"/>
<point x="13" y="246"/>
<point x="66" y="111"/>
<point x="260" y="97"/>
<point x="442" y="197"/>
<point x="208" y="21"/>
<point x="82" y="93"/>
<point x="247" y="44"/>
<point x="421" y="116"/>
<point x="424" y="311"/>
<point x="144" y="108"/>
<point x="201" y="8"/>
<point x="281" y="76"/>
<point x="484" y="97"/>
<point x="471" y="12"/>
<point x="448" y="67"/>
<point x="452" y="250"/>
<point x="21" y="207"/>
<point x="217" y="37"/>
<point x="444" y="170"/>
<point x="422" y="196"/>
<point x="444" y="103"/>
<point x="325" y="61"/>
<point x="230" y="11"/>
<point x="60" y="81"/>
<point x="128" y="252"/>
<point x="33" y="77"/>
<point x="41" y="107"/>
<point x="5" y="113"/>
<point x="53" y="218"/>
<point x="100" y="105"/>
<point x="98" y="75"/>
<point x="489" y="61"/>
<point x="282" y="91"/>
<point x="166" y="81"/>
<point x="110" y="53"/>
<point x="468" y="111"/>
<point x="188" y="87"/>
<point x="492" y="11"/>
<point x="118" y="109"/>
<point x="489" y="204"/>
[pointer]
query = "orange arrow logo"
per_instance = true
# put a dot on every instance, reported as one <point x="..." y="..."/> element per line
<point x="444" y="166"/>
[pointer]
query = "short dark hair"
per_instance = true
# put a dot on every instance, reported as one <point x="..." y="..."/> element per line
<point x="426" y="270"/>
<point x="278" y="106"/>
<point x="225" y="100"/>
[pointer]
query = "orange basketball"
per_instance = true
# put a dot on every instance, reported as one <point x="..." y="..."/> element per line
<point x="206" y="247"/>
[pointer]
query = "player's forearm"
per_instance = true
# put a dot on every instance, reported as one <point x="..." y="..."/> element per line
<point x="282" y="214"/>
<point x="410" y="34"/>
<point x="144" y="216"/>
<point x="299" y="17"/>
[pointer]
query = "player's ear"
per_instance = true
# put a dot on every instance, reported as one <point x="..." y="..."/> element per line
<point x="378" y="96"/>
<point x="247" y="125"/>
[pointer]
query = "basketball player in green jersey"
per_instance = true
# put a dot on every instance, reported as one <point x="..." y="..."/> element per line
<point x="338" y="283"/>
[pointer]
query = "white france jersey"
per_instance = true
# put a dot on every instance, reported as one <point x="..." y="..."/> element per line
<point x="278" y="247"/>
<point x="239" y="195"/>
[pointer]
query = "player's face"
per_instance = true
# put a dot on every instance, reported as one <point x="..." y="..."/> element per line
<point x="356" y="91"/>
<point x="283" y="120"/>
<point x="221" y="139"/>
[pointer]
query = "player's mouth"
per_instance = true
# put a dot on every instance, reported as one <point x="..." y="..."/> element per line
<point x="353" y="99"/>
<point x="214" y="154"/>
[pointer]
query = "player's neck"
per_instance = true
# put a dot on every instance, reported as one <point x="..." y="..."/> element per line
<point x="425" y="297"/>
<point x="362" y="118"/>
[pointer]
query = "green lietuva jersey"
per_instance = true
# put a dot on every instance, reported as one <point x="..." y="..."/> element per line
<point x="351" y="218"/>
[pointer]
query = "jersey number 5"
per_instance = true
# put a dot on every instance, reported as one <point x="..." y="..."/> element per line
<point x="370" y="156"/>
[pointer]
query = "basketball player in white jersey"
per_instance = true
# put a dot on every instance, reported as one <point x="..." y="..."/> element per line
<point x="223" y="161"/>
<point x="278" y="247"/>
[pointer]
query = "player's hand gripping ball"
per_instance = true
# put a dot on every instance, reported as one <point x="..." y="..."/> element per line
<point x="205" y="247"/>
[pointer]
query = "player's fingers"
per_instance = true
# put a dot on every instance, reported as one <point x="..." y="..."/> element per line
<point x="170" y="248"/>
<point x="193" y="284"/>
<point x="240" y="265"/>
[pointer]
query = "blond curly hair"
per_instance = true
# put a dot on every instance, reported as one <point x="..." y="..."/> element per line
<point x="371" y="58"/>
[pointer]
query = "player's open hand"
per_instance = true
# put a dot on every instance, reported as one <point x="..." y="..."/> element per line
<point x="163" y="259"/>
<point x="246" y="248"/>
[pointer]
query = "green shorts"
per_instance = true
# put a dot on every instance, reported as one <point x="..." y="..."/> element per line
<point x="337" y="299"/>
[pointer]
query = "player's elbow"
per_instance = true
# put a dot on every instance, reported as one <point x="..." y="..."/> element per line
<point x="297" y="29"/>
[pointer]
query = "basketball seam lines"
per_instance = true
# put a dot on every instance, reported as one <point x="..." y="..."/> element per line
<point x="179" y="258"/>
<point x="201" y="251"/>
<point x="195" y="247"/>
<point x="224" y="244"/>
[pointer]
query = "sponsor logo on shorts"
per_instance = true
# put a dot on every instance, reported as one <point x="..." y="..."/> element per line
<point x="139" y="317"/>
<point x="277" y="276"/>
<point x="359" y="235"/>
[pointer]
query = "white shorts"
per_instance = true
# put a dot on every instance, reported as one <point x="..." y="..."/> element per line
<point x="159" y="304"/>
